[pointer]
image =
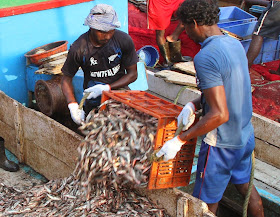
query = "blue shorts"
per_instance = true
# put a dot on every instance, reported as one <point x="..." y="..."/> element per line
<point x="217" y="167"/>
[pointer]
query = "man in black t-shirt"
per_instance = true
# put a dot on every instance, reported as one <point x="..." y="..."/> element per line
<point x="268" y="26"/>
<point x="107" y="57"/>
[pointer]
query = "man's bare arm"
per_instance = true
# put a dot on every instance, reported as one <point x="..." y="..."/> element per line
<point x="68" y="89"/>
<point x="126" y="79"/>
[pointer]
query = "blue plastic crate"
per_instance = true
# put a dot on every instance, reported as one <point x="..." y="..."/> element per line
<point x="242" y="30"/>
<point x="233" y="15"/>
<point x="277" y="54"/>
<point x="257" y="9"/>
<point x="270" y="49"/>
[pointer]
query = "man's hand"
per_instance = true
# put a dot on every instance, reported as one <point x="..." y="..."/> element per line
<point x="187" y="115"/>
<point x="96" y="90"/>
<point x="77" y="115"/>
<point x="170" y="148"/>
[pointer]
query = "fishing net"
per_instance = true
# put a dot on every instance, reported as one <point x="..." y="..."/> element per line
<point x="266" y="94"/>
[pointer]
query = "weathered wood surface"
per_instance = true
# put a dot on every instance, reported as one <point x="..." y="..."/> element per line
<point x="267" y="152"/>
<point x="187" y="67"/>
<point x="176" y="78"/>
<point x="268" y="174"/>
<point x="54" y="57"/>
<point x="37" y="140"/>
<point x="178" y="203"/>
<point x="169" y="90"/>
<point x="266" y="129"/>
<point x="52" y="64"/>
<point x="267" y="138"/>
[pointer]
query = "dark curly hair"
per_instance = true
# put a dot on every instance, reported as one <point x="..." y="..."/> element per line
<point x="204" y="12"/>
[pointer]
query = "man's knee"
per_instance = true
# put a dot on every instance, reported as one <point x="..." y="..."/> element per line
<point x="242" y="188"/>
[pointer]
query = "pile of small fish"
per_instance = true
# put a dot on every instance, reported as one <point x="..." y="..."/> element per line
<point x="113" y="162"/>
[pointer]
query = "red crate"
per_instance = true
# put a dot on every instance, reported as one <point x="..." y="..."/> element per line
<point x="165" y="174"/>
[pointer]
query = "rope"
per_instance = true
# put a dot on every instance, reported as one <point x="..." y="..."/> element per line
<point x="245" y="205"/>
<point x="261" y="85"/>
<point x="83" y="100"/>
<point x="179" y="93"/>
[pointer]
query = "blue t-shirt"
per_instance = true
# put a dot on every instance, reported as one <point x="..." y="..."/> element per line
<point x="222" y="61"/>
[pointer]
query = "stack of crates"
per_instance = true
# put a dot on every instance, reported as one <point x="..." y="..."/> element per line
<point x="241" y="23"/>
<point x="165" y="174"/>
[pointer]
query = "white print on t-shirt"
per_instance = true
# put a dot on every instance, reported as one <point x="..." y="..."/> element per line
<point x="92" y="61"/>
<point x="106" y="73"/>
<point x="112" y="57"/>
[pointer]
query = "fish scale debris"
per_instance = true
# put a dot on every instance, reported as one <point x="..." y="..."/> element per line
<point x="113" y="163"/>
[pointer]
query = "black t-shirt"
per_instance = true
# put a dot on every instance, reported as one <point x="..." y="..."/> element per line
<point x="102" y="64"/>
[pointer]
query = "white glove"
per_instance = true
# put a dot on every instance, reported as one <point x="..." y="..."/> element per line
<point x="96" y="90"/>
<point x="77" y="115"/>
<point x="170" y="148"/>
<point x="187" y="115"/>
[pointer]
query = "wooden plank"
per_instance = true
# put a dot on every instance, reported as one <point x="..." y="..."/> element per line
<point x="55" y="56"/>
<point x="177" y="202"/>
<point x="176" y="78"/>
<point x="268" y="174"/>
<point x="266" y="129"/>
<point x="9" y="134"/>
<point x="54" y="63"/>
<point x="268" y="189"/>
<point x="187" y="67"/>
<point x="51" y="136"/>
<point x="52" y="67"/>
<point x="19" y="132"/>
<point x="7" y="111"/>
<point x="54" y="71"/>
<point x="267" y="152"/>
<point x="48" y="146"/>
<point x="45" y="163"/>
<point x="169" y="90"/>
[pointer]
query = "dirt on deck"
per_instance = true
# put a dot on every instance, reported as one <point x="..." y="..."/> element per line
<point x="19" y="180"/>
<point x="23" y="179"/>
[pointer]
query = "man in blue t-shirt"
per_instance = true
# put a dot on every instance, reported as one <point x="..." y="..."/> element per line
<point x="228" y="135"/>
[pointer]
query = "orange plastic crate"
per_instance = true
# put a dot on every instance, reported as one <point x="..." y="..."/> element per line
<point x="165" y="174"/>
